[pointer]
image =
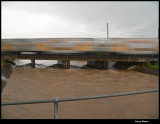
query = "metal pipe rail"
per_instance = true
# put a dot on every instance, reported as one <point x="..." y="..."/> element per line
<point x="56" y="99"/>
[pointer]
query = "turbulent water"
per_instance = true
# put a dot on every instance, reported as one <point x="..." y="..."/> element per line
<point x="41" y="83"/>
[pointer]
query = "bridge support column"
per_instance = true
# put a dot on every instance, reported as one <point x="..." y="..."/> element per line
<point x="148" y="61"/>
<point x="59" y="61"/>
<point x="65" y="63"/>
<point x="33" y="62"/>
<point x="91" y="63"/>
<point x="99" y="64"/>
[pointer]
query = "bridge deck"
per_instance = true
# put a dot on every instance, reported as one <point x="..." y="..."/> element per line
<point x="90" y="56"/>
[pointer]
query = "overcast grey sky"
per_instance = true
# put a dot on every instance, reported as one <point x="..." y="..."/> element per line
<point x="79" y="19"/>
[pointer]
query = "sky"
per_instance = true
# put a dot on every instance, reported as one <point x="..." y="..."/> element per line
<point x="80" y="19"/>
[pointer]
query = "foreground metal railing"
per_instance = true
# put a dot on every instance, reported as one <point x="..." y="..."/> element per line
<point x="56" y="100"/>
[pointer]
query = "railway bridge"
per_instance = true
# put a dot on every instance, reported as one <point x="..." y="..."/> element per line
<point x="94" y="59"/>
<point x="96" y="51"/>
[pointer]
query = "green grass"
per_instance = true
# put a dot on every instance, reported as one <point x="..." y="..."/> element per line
<point x="2" y="63"/>
<point x="152" y="66"/>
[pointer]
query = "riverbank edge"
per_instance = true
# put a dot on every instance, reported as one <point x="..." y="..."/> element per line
<point x="7" y="67"/>
<point x="140" y="67"/>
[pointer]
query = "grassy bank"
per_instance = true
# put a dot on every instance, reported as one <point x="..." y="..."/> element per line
<point x="152" y="66"/>
<point x="3" y="63"/>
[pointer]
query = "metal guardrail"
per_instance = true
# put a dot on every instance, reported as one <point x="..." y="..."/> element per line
<point x="56" y="100"/>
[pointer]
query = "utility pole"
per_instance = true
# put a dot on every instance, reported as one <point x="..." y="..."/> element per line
<point x="107" y="31"/>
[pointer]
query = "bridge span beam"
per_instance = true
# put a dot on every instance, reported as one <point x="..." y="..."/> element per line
<point x="98" y="64"/>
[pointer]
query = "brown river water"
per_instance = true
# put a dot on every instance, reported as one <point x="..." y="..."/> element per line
<point x="41" y="83"/>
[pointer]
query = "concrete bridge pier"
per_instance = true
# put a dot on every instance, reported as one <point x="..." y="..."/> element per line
<point x="33" y="62"/>
<point x="98" y="64"/>
<point x="148" y="61"/>
<point x="65" y="63"/>
<point x="59" y="61"/>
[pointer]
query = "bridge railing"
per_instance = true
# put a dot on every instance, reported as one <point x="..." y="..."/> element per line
<point x="56" y="100"/>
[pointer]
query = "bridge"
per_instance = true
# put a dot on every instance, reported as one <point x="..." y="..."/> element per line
<point x="96" y="54"/>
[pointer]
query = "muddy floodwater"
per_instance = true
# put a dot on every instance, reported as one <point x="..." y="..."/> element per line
<point x="41" y="83"/>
